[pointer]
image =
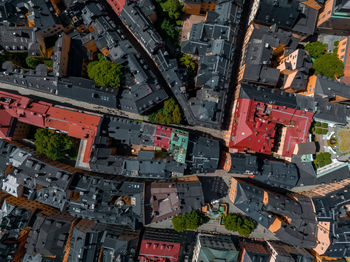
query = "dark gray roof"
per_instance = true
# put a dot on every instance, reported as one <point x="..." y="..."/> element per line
<point x="5" y="150"/>
<point x="34" y="172"/>
<point x="116" y="242"/>
<point x="259" y="74"/>
<point x="288" y="15"/>
<point x="225" y="13"/>
<point x="307" y="171"/>
<point x="97" y="194"/>
<point x="141" y="26"/>
<point x="274" y="96"/>
<point x="19" y="39"/>
<point x="218" y="242"/>
<point x="48" y="235"/>
<point x="329" y="208"/>
<point x="307" y="21"/>
<point x="244" y="163"/>
<point x="306" y="148"/>
<point x="85" y="90"/>
<point x="331" y="88"/>
<point x="190" y="195"/>
<point x="278" y="173"/>
<point x="44" y="16"/>
<point x="301" y="231"/>
<point x="131" y="131"/>
<point x="13" y="223"/>
<point x="331" y="112"/>
<point x="204" y="155"/>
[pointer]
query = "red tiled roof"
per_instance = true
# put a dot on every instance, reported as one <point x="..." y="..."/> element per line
<point x="5" y="124"/>
<point x="255" y="123"/>
<point x="162" y="137"/>
<point x="117" y="5"/>
<point x="159" y="251"/>
<point x="75" y="124"/>
<point x="24" y="109"/>
<point x="42" y="114"/>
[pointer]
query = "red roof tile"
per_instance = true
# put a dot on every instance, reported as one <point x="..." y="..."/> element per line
<point x="162" y="137"/>
<point x="255" y="123"/>
<point x="159" y="251"/>
<point x="5" y="124"/>
<point x="117" y="5"/>
<point x="24" y="109"/>
<point x="42" y="114"/>
<point x="75" y="124"/>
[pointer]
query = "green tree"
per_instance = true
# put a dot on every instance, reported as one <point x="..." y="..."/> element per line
<point x="179" y="223"/>
<point x="316" y="49"/>
<point x="169" y="114"/>
<point x="230" y="222"/>
<point x="32" y="62"/>
<point x="188" y="62"/>
<point x="329" y="65"/>
<point x="173" y="8"/>
<point x="105" y="72"/>
<point x="169" y="29"/>
<point x="189" y="221"/>
<point x="193" y="220"/>
<point x="55" y="146"/>
<point x="244" y="226"/>
<point x="48" y="62"/>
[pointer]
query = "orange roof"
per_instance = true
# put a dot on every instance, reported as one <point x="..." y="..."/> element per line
<point x="75" y="124"/>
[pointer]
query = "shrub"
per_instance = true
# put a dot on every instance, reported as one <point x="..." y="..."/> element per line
<point x="32" y="62"/>
<point x="322" y="159"/>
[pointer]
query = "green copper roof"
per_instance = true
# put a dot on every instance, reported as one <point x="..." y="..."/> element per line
<point x="178" y="145"/>
<point x="207" y="254"/>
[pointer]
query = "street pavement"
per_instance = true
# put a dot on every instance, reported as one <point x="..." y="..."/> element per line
<point x="259" y="233"/>
<point x="67" y="101"/>
<point x="220" y="134"/>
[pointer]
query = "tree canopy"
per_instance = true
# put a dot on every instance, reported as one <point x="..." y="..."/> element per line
<point x="189" y="221"/>
<point x="316" y="49"/>
<point x="32" y="62"/>
<point x="188" y="62"/>
<point x="169" y="114"/>
<point x="105" y="72"/>
<point x="329" y="65"/>
<point x="173" y="8"/>
<point x="169" y="29"/>
<point x="244" y="226"/>
<point x="55" y="146"/>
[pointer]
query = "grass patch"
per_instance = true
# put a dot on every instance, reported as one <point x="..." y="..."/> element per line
<point x="343" y="140"/>
<point x="322" y="159"/>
